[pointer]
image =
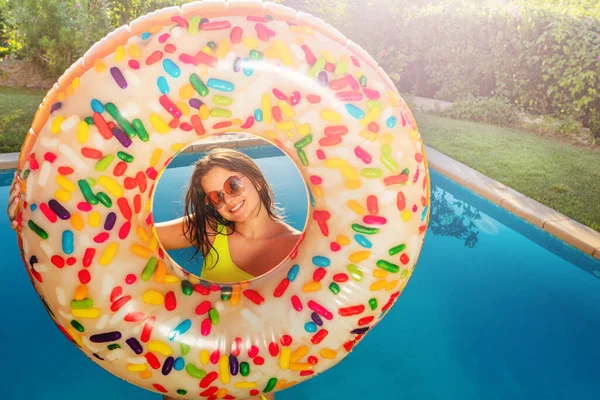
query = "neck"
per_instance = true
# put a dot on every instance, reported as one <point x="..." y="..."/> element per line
<point x="258" y="226"/>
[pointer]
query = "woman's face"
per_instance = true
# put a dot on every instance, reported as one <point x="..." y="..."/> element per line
<point x="238" y="208"/>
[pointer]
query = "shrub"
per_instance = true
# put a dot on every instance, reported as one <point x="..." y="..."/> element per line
<point x="483" y="109"/>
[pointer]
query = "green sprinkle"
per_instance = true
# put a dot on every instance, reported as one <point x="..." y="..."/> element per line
<point x="211" y="44"/>
<point x="77" y="326"/>
<point x="303" y="157"/>
<point x="270" y="385"/>
<point x="84" y="186"/>
<point x="104" y="162"/>
<point x="82" y="304"/>
<point x="124" y="156"/>
<point x="213" y="314"/>
<point x="255" y="55"/>
<point x="91" y="181"/>
<point x="355" y="272"/>
<point x="364" y="229"/>
<point x="222" y="100"/>
<point x="89" y="120"/>
<point x="226" y="293"/>
<point x="116" y="114"/>
<point x="305" y="141"/>
<point x="194" y="371"/>
<point x="341" y="68"/>
<point x="335" y="289"/>
<point x="104" y="199"/>
<point x="363" y="81"/>
<point x="388" y="266"/>
<point x="371" y="173"/>
<point x="404" y="273"/>
<point x="185" y="348"/>
<point x="113" y="346"/>
<point x="389" y="163"/>
<point x="200" y="86"/>
<point x="141" y="130"/>
<point x="371" y="104"/>
<point x="182" y="392"/>
<point x="244" y="368"/>
<point x="396" y="249"/>
<point x="317" y="67"/>
<point x="220" y="113"/>
<point x="373" y="303"/>
<point x="38" y="231"/>
<point x="187" y="288"/>
<point x="149" y="268"/>
<point x="194" y="24"/>
<point x="386" y="150"/>
<point x="26" y="173"/>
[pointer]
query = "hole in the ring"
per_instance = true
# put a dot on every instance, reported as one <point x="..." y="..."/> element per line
<point x="257" y="208"/>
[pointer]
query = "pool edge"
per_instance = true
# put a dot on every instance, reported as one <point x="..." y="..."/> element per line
<point x="559" y="225"/>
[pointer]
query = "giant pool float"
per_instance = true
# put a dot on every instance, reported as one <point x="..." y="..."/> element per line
<point x="112" y="123"/>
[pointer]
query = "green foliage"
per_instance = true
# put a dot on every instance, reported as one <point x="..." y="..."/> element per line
<point x="483" y="109"/>
<point x="9" y="43"/>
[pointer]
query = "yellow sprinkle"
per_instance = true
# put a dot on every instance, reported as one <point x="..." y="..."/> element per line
<point x="352" y="184"/>
<point x="359" y="256"/>
<point x="204" y="357"/>
<point x="343" y="240"/>
<point x="386" y="139"/>
<point x="155" y="28"/>
<point x="61" y="96"/>
<point x="250" y="42"/>
<point x="414" y="134"/>
<point x="311" y="287"/>
<point x="391" y="285"/>
<point x="328" y="56"/>
<point x="159" y="124"/>
<point x="380" y="274"/>
<point x="306" y="30"/>
<point x="406" y="215"/>
<point x="109" y="253"/>
<point x="160" y="347"/>
<point x="111" y="185"/>
<point x="75" y="335"/>
<point x="221" y="393"/>
<point x="80" y="292"/>
<point x="335" y="163"/>
<point x="140" y="250"/>
<point x="161" y="272"/>
<point x="271" y="134"/>
<point x="186" y="91"/>
<point x="86" y="312"/>
<point x="133" y="50"/>
<point x="153" y="297"/>
<point x="284" y="52"/>
<point x="155" y="157"/>
<point x="349" y="172"/>
<point x="378" y="285"/>
<point x="300" y="366"/>
<point x="393" y="99"/>
<point x="223" y="48"/>
<point x="69" y="90"/>
<point x="65" y="183"/>
<point x="266" y="109"/>
<point x="285" y="125"/>
<point x="299" y="353"/>
<point x="153" y="245"/>
<point x="99" y="65"/>
<point x="171" y="279"/>
<point x="356" y="207"/>
<point x="55" y="128"/>
<point x="145" y="374"/>
<point x="331" y="116"/>
<point x="207" y="50"/>
<point x="119" y="53"/>
<point x="371" y="116"/>
<point x="368" y="135"/>
<point x="82" y="132"/>
<point x="203" y="70"/>
<point x="76" y="82"/>
<point x="303" y="129"/>
<point x="235" y="296"/>
<point x="94" y="219"/>
<point x="185" y="109"/>
<point x="142" y="234"/>
<point x="176" y="147"/>
<point x="136" y="367"/>
<point x="62" y="195"/>
<point x="286" y="108"/>
<point x="236" y="121"/>
<point x="204" y="112"/>
<point x="224" y="369"/>
<point x="328" y="353"/>
<point x="148" y="205"/>
<point x="317" y="191"/>
<point x="284" y="358"/>
<point x="245" y="385"/>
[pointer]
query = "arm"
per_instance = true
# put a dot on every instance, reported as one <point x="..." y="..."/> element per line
<point x="171" y="234"/>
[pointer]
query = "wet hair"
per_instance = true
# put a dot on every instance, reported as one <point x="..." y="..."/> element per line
<point x="202" y="215"/>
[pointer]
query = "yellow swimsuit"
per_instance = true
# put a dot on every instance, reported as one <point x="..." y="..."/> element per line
<point x="224" y="270"/>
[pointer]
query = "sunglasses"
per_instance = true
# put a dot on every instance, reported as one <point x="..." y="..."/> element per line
<point x="233" y="186"/>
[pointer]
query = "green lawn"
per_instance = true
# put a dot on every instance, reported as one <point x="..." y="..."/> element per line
<point x="561" y="176"/>
<point x="17" y="108"/>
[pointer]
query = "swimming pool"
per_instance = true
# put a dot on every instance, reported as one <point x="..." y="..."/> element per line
<point x="496" y="309"/>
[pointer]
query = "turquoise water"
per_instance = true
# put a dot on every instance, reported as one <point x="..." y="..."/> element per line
<point x="496" y="309"/>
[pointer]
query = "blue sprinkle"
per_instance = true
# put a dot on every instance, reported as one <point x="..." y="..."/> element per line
<point x="55" y="106"/>
<point x="182" y="328"/>
<point x="67" y="242"/>
<point x="363" y="241"/>
<point x="171" y="68"/>
<point x="32" y="207"/>
<point x="293" y="272"/>
<point x="312" y="199"/>
<point x="145" y="35"/>
<point x="355" y="111"/>
<point x="310" y="327"/>
<point x="179" y="364"/>
<point x="97" y="106"/>
<point x="247" y="70"/>
<point x="391" y="122"/>
<point x="424" y="213"/>
<point x="163" y="85"/>
<point x="321" y="261"/>
<point x="258" y="115"/>
<point x="219" y="84"/>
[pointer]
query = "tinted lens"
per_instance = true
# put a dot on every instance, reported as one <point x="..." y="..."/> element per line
<point x="234" y="185"/>
<point x="215" y="199"/>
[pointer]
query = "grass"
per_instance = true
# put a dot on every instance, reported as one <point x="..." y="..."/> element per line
<point x="17" y="108"/>
<point x="561" y="176"/>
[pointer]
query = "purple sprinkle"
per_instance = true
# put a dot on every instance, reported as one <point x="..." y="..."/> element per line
<point x="233" y="365"/>
<point x="316" y="319"/>
<point x="59" y="210"/>
<point x="196" y="103"/>
<point x="168" y="365"/>
<point x="33" y="260"/>
<point x="118" y="77"/>
<point x="122" y="137"/>
<point x="55" y="106"/>
<point x="135" y="345"/>
<point x="323" y="80"/>
<point x="360" y="331"/>
<point x="106" y="337"/>
<point x="237" y="64"/>
<point x="109" y="223"/>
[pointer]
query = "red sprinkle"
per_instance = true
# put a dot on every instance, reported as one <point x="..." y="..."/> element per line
<point x="65" y="170"/>
<point x="253" y="351"/>
<point x="84" y="276"/>
<point x="154" y="57"/>
<point x="124" y="230"/>
<point x="316" y="180"/>
<point x="170" y="48"/>
<point x="372" y="205"/>
<point x="354" y="310"/>
<point x="371" y="94"/>
<point x="340" y="278"/>
<point x="236" y="35"/>
<point x="286" y="340"/>
<point x="208" y="379"/>
<point x="365" y="320"/>
<point x="401" y="201"/>
<point x="130" y="279"/>
<point x="320" y="154"/>
<point x="163" y="38"/>
<point x="203" y="307"/>
<point x="120" y="302"/>
<point x="214" y="356"/>
<point x="216" y="25"/>
<point x="133" y="64"/>
<point x="116" y="293"/>
<point x="58" y="261"/>
<point x="120" y="168"/>
<point x="374" y="220"/>
<point x="102" y="126"/>
<point x="279" y="94"/>
<point x="249" y="122"/>
<point x="101" y="237"/>
<point x="147" y="331"/>
<point x="205" y="327"/>
<point x="281" y="288"/>
<point x="295" y="97"/>
<point x="197" y="124"/>
<point x="418" y="157"/>
<point x="135" y="317"/>
<point x="336" y="130"/>
<point x="335" y="246"/>
<point x="170" y="301"/>
<point x="404" y="259"/>
<point x="71" y="260"/>
<point x="319" y="336"/>
<point x="313" y="98"/>
<point x="88" y="256"/>
<point x="277" y="116"/>
<point x="263" y="32"/>
<point x="273" y="349"/>
<point x="330" y="140"/>
<point x="236" y="346"/>
<point x="296" y="303"/>
<point x="91" y="153"/>
<point x="319" y="274"/>
<point x="180" y="21"/>
<point x="50" y="157"/>
<point x="159" y="387"/>
<point x="253" y="296"/>
<point x="321" y="216"/>
<point x="48" y="213"/>
<point x="222" y="125"/>
<point x="204" y="58"/>
<point x="373" y="127"/>
<point x="152" y="360"/>
<point x="310" y="57"/>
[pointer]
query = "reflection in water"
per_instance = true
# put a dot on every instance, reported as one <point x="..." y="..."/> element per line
<point x="453" y="217"/>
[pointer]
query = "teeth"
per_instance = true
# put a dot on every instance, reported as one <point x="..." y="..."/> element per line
<point x="237" y="207"/>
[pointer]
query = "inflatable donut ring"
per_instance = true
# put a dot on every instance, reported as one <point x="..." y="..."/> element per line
<point x="115" y="119"/>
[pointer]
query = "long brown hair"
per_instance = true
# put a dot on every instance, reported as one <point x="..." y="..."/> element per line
<point x="200" y="215"/>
